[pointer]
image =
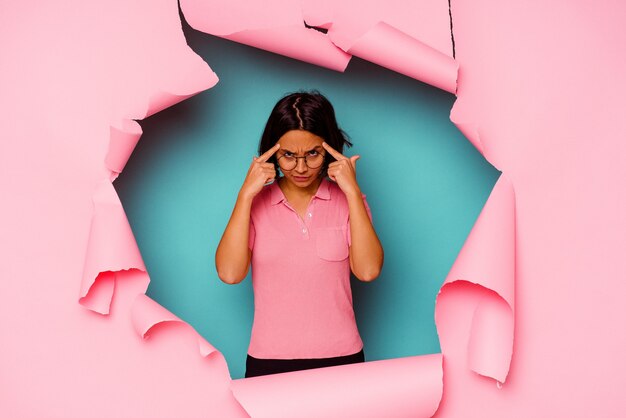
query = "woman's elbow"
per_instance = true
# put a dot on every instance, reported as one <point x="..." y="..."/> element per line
<point x="229" y="279"/>
<point x="369" y="275"/>
<point x="230" y="275"/>
<point x="370" y="272"/>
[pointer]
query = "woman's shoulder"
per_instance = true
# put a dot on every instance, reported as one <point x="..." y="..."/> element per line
<point x="263" y="197"/>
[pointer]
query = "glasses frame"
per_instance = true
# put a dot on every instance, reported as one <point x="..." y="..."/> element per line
<point x="323" y="154"/>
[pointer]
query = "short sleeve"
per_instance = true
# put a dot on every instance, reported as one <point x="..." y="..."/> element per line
<point x="369" y="213"/>
<point x="251" y="235"/>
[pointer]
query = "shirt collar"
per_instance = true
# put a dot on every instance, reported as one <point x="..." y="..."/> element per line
<point x="277" y="195"/>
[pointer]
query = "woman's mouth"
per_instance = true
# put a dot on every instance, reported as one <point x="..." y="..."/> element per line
<point x="299" y="178"/>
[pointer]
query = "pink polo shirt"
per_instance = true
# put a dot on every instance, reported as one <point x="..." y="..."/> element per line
<point x="301" y="276"/>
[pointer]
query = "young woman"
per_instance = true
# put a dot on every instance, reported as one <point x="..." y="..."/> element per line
<point x="303" y="234"/>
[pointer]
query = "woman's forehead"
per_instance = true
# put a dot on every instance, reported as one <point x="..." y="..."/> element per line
<point x="299" y="140"/>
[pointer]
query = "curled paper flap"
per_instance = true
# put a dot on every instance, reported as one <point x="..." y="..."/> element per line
<point x="411" y="38"/>
<point x="166" y="79"/>
<point x="146" y="315"/>
<point x="303" y="44"/>
<point x="111" y="247"/>
<point x="490" y="345"/>
<point x="195" y="77"/>
<point x="99" y="297"/>
<point x="122" y="144"/>
<point x="366" y="30"/>
<point x="487" y="260"/>
<point x="276" y="26"/>
<point x="403" y="387"/>
<point x="425" y="20"/>
<point x="393" y="49"/>
<point x="488" y="254"/>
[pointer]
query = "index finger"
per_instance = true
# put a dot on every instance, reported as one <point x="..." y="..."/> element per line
<point x="338" y="156"/>
<point x="267" y="154"/>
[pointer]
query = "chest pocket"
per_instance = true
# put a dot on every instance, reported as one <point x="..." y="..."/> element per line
<point x="331" y="244"/>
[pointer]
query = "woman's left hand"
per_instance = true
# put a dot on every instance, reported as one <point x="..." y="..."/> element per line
<point x="343" y="171"/>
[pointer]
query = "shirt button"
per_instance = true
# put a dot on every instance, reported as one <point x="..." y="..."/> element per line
<point x="309" y="214"/>
<point x="304" y="230"/>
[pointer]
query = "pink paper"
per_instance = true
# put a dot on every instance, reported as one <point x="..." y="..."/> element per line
<point x="74" y="76"/>
<point x="487" y="259"/>
<point x="535" y="298"/>
<point x="410" y="38"/>
<point x="404" y="387"/>
<point x="147" y="314"/>
<point x="111" y="247"/>
<point x="408" y="56"/>
<point x="122" y="144"/>
<point x="276" y="26"/>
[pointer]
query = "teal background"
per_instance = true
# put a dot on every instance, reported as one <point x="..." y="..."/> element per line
<point x="425" y="184"/>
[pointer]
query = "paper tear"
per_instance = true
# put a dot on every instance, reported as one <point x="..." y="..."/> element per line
<point x="146" y="315"/>
<point x="111" y="247"/>
<point x="451" y="30"/>
<point x="412" y="385"/>
<point x="408" y="56"/>
<point x="490" y="345"/>
<point x="276" y="26"/>
<point x="293" y="39"/>
<point x="298" y="42"/>
<point x="487" y="260"/>
<point x="121" y="145"/>
<point x="111" y="244"/>
<point x="98" y="299"/>
<point x="280" y="26"/>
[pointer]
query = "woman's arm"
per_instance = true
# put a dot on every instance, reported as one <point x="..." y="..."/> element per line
<point x="232" y="257"/>
<point x="366" y="251"/>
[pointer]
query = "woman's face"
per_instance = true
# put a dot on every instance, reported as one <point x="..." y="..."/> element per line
<point x="300" y="143"/>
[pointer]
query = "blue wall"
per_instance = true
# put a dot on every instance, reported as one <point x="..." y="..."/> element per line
<point x="425" y="183"/>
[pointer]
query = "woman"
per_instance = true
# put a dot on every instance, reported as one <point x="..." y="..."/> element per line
<point x="303" y="234"/>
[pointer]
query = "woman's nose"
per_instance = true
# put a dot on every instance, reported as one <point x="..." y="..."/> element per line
<point x="301" y="166"/>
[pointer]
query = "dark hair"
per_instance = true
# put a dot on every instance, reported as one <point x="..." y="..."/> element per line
<point x="309" y="111"/>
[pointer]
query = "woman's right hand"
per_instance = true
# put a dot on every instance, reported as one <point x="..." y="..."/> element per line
<point x="259" y="174"/>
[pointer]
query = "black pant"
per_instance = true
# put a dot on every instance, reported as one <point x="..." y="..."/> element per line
<point x="261" y="367"/>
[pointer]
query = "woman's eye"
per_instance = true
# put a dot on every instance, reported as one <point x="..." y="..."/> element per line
<point x="313" y="153"/>
<point x="288" y="154"/>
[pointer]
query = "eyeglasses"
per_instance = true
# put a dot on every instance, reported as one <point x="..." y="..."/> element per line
<point x="288" y="161"/>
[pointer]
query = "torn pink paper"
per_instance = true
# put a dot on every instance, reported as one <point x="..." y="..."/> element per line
<point x="70" y="71"/>
<point x="403" y="387"/>
<point x="569" y="197"/>
<point x="147" y="314"/>
<point x="391" y="48"/>
<point x="275" y="26"/>
<point x="111" y="247"/>
<point x="487" y="259"/>
<point x="348" y="20"/>
<point x="121" y="146"/>
<point x="412" y="39"/>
